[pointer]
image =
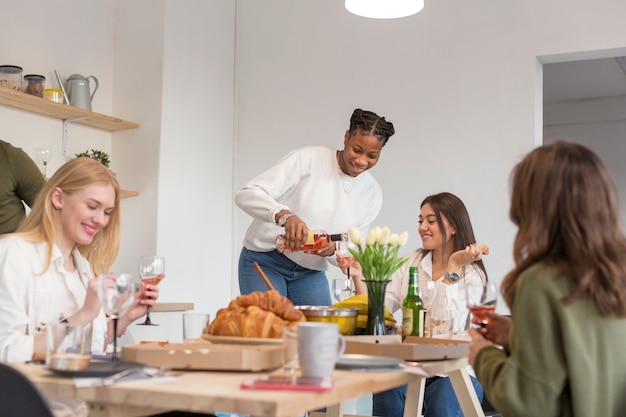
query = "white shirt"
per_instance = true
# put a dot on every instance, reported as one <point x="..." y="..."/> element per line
<point x="29" y="299"/>
<point x="309" y="183"/>
<point x="451" y="297"/>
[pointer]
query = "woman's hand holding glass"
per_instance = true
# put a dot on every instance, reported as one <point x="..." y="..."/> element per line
<point x="144" y="298"/>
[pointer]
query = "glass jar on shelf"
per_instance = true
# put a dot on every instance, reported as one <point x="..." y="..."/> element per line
<point x="11" y="77"/>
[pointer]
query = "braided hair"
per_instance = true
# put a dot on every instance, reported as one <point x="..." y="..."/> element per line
<point x="370" y="124"/>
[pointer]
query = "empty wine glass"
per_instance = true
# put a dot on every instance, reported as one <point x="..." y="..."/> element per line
<point x="342" y="288"/>
<point x="43" y="155"/>
<point x="480" y="298"/>
<point x="428" y="293"/>
<point x="151" y="271"/>
<point x="117" y="293"/>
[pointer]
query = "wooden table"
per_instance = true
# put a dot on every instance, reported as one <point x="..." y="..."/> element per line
<point x="220" y="391"/>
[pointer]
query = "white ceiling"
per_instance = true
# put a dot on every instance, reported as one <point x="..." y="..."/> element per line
<point x="583" y="80"/>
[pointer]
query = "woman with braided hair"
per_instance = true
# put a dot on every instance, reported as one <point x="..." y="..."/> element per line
<point x="311" y="188"/>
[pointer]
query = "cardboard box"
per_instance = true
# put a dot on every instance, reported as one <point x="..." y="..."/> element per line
<point x="206" y="356"/>
<point x="413" y="348"/>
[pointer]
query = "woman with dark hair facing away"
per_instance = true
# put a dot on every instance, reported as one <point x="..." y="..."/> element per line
<point x="311" y="188"/>
<point x="451" y="258"/>
<point x="562" y="352"/>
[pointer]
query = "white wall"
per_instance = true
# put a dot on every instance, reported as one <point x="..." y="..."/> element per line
<point x="460" y="81"/>
<point x="599" y="124"/>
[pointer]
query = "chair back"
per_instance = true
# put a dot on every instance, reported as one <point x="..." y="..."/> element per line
<point x="19" y="397"/>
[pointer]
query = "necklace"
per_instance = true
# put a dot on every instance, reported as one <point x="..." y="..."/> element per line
<point x="347" y="181"/>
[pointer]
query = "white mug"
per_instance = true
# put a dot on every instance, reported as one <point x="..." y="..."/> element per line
<point x="319" y="347"/>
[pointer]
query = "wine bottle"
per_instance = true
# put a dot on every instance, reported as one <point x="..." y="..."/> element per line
<point x="316" y="240"/>
<point x="413" y="308"/>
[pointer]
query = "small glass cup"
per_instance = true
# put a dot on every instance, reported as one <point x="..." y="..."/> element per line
<point x="193" y="325"/>
<point x="65" y="347"/>
<point x="290" y="340"/>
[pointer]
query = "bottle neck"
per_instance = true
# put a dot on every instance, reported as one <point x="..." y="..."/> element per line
<point x="413" y="283"/>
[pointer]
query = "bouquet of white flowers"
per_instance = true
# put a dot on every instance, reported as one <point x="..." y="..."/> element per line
<point x="378" y="253"/>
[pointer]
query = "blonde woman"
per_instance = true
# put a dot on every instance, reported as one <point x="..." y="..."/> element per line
<point x="47" y="267"/>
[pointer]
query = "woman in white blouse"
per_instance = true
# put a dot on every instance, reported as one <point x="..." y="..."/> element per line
<point x="47" y="267"/>
<point x="451" y="258"/>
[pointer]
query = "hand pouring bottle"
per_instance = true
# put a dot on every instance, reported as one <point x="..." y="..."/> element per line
<point x="316" y="240"/>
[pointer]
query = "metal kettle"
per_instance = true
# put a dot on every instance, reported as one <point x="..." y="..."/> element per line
<point x="78" y="90"/>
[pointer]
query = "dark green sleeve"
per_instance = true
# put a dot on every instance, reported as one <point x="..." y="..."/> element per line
<point x="28" y="177"/>
<point x="532" y="378"/>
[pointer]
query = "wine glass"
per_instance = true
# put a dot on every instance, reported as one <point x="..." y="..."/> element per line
<point x="117" y="293"/>
<point x="480" y="298"/>
<point x="43" y="155"/>
<point x="428" y="293"/>
<point x="151" y="271"/>
<point x="342" y="288"/>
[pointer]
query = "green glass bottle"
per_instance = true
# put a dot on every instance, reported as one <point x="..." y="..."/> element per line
<point x="413" y="308"/>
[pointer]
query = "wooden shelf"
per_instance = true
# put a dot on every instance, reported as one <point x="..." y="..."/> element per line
<point x="49" y="108"/>
<point x="65" y="112"/>
<point x="128" y="193"/>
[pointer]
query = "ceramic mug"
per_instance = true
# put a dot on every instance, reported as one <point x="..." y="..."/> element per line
<point x="319" y="347"/>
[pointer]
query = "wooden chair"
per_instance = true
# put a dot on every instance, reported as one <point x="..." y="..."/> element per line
<point x="19" y="397"/>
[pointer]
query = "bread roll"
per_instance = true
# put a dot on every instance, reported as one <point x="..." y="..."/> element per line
<point x="258" y="314"/>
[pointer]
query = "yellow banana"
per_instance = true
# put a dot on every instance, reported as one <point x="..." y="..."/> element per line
<point x="359" y="302"/>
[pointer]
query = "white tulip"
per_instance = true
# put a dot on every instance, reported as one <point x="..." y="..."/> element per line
<point x="404" y="237"/>
<point x="371" y="237"/>
<point x="393" y="239"/>
<point x="383" y="239"/>
<point x="355" y="235"/>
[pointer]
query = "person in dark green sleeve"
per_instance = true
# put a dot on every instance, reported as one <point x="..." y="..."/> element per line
<point x="562" y="352"/>
<point x="20" y="180"/>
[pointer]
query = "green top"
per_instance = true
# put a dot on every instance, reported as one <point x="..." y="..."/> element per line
<point x="20" y="180"/>
<point x="562" y="360"/>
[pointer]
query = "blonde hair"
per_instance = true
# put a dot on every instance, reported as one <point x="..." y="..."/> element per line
<point x="41" y="225"/>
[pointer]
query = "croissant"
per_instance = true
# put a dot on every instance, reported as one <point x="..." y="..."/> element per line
<point x="256" y="314"/>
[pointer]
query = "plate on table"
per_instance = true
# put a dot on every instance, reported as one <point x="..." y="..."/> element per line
<point x="355" y="361"/>
<point x="98" y="369"/>
<point x="236" y="340"/>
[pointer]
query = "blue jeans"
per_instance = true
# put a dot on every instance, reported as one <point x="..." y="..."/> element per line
<point x="301" y="285"/>
<point x="439" y="399"/>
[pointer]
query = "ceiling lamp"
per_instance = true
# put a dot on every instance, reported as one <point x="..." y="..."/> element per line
<point x="384" y="9"/>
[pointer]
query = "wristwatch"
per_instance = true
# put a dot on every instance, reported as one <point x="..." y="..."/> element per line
<point x="283" y="219"/>
<point x="453" y="277"/>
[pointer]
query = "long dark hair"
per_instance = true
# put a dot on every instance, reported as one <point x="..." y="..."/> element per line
<point x="369" y="123"/>
<point x="564" y="203"/>
<point x="455" y="211"/>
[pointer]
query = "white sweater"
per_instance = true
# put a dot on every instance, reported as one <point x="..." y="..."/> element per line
<point x="309" y="183"/>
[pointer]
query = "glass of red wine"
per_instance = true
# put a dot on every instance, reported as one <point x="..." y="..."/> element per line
<point x="480" y="298"/>
<point x="151" y="271"/>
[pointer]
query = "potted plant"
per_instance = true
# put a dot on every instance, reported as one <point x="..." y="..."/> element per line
<point x="99" y="156"/>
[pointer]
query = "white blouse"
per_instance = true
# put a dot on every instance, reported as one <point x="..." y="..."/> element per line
<point x="451" y="297"/>
<point x="29" y="299"/>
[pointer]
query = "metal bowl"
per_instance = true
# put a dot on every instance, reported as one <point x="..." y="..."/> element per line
<point x="344" y="317"/>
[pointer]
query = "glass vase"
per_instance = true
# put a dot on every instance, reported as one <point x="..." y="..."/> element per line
<point x="376" y="306"/>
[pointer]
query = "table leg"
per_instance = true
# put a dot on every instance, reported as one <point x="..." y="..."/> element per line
<point x="335" y="410"/>
<point x="465" y="393"/>
<point x="414" y="397"/>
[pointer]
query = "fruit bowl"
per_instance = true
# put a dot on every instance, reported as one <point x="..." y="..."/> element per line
<point x="344" y="317"/>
